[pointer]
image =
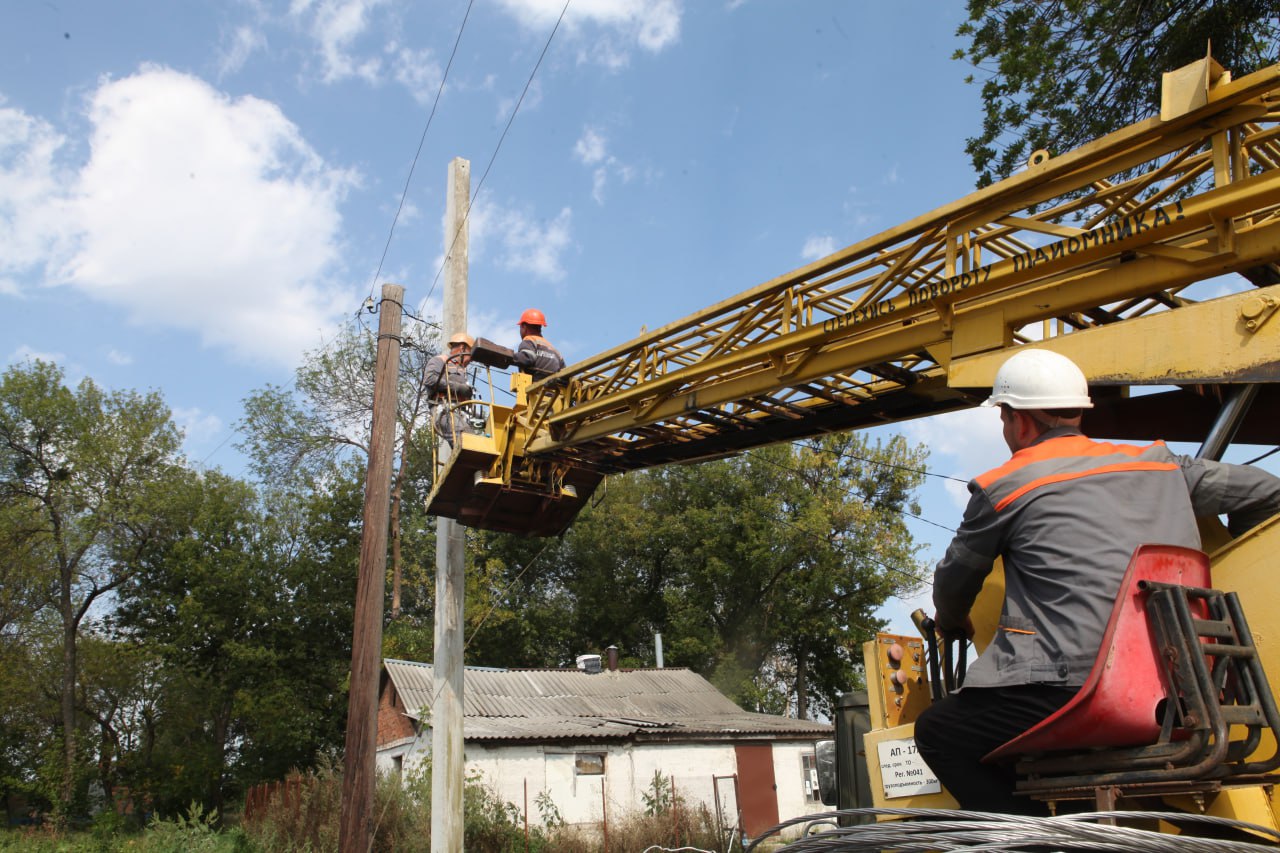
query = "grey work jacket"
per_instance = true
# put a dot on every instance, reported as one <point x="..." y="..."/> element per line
<point x="446" y="381"/>
<point x="536" y="355"/>
<point x="1066" y="514"/>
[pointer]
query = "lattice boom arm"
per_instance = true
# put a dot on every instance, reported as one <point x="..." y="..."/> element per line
<point x="1102" y="235"/>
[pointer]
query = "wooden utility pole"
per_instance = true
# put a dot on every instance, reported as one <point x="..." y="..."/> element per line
<point x="355" y="834"/>
<point x="446" y="710"/>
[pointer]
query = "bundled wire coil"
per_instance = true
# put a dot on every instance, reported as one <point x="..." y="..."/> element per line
<point x="953" y="830"/>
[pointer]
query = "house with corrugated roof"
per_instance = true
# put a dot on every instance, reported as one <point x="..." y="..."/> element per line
<point x="591" y="740"/>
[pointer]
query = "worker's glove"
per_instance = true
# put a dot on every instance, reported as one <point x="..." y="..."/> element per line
<point x="961" y="632"/>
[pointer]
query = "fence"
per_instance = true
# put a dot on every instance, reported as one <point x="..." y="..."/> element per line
<point x="288" y="791"/>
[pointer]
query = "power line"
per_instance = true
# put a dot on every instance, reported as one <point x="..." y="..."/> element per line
<point x="404" y="194"/>
<point x="203" y="462"/>
<point x="1270" y="452"/>
<point x="923" y="471"/>
<point x="514" y="111"/>
<point x="502" y="593"/>
<point x="908" y="575"/>
<point x="849" y="491"/>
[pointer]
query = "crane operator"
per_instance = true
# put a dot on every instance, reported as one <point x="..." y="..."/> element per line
<point x="1065" y="513"/>
<point x="536" y="355"/>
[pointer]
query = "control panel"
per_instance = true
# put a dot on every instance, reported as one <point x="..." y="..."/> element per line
<point x="900" y="673"/>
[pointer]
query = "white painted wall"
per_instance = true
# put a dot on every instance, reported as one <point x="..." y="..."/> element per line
<point x="788" y="772"/>
<point x="520" y="773"/>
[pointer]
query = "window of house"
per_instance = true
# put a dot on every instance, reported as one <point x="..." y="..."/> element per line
<point x="588" y="763"/>
<point x="809" y="770"/>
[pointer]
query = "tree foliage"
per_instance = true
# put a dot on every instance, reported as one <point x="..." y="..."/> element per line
<point x="86" y="471"/>
<point x="761" y="572"/>
<point x="166" y="635"/>
<point x="250" y="612"/>
<point x="1059" y="74"/>
<point x="197" y="626"/>
<point x="300" y="437"/>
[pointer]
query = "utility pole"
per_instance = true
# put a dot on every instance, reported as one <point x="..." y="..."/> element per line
<point x="446" y="711"/>
<point x="359" y="771"/>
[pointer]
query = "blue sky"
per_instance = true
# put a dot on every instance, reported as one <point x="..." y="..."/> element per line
<point x="194" y="194"/>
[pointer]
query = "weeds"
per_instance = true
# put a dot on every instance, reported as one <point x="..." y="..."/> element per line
<point x="304" y="817"/>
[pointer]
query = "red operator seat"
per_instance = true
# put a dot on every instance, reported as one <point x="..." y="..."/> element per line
<point x="1119" y="702"/>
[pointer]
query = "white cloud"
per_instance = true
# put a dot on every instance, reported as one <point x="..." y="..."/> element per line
<point x="197" y="425"/>
<point x="590" y="147"/>
<point x="818" y="246"/>
<point x="31" y="220"/>
<point x="615" y="25"/>
<point x="518" y="241"/>
<point x="961" y="444"/>
<point x="337" y="26"/>
<point x="115" y="356"/>
<point x="417" y="71"/>
<point x="26" y="353"/>
<point x="194" y="211"/>
<point x="244" y="43"/>
<point x="599" y="180"/>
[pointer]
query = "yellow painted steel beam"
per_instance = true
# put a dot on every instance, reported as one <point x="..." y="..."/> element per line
<point x="1255" y="95"/>
<point x="1234" y="338"/>
<point x="915" y="320"/>
<point x="884" y="316"/>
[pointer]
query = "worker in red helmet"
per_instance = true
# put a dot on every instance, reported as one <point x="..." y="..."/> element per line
<point x="536" y="355"/>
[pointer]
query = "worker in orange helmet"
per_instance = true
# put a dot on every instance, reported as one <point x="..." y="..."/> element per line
<point x="445" y="378"/>
<point x="536" y="355"/>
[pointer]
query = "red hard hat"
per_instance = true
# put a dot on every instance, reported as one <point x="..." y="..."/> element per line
<point x="533" y="317"/>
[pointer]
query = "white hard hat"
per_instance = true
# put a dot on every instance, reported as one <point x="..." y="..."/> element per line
<point x="1040" y="379"/>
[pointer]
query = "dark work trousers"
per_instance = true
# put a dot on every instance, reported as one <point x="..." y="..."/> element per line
<point x="953" y="734"/>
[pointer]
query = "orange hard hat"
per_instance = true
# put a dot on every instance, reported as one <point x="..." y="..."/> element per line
<point x="533" y="317"/>
<point x="463" y="338"/>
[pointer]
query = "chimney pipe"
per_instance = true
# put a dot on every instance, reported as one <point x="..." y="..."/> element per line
<point x="657" y="647"/>
<point x="612" y="652"/>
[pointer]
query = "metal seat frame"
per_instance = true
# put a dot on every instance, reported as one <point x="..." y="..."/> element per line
<point x="1214" y="686"/>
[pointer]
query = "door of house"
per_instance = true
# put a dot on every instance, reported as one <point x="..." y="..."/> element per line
<point x="757" y="790"/>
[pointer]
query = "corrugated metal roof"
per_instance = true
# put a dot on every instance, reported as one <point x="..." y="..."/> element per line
<point x="541" y="704"/>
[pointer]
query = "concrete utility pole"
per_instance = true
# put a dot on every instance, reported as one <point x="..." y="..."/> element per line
<point x="355" y="834"/>
<point x="446" y="711"/>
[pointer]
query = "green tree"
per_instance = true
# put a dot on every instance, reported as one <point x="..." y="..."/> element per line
<point x="87" y="468"/>
<point x="31" y="758"/>
<point x="243" y="609"/>
<point x="760" y="571"/>
<point x="300" y="435"/>
<point x="1059" y="74"/>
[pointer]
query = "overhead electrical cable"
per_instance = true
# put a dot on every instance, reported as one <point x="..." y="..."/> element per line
<point x="923" y="471"/>
<point x="796" y="527"/>
<point x="849" y="491"/>
<point x="405" y="192"/>
<point x="514" y="112"/>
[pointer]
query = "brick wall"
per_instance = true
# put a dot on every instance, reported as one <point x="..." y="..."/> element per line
<point x="393" y="724"/>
